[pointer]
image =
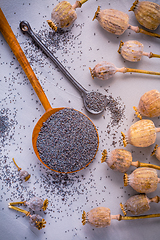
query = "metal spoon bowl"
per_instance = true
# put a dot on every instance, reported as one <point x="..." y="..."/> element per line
<point x="94" y="102"/>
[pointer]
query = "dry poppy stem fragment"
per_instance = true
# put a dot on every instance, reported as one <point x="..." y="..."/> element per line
<point x="156" y="152"/>
<point x="24" y="175"/>
<point x="101" y="217"/>
<point x="143" y="180"/>
<point x="105" y="70"/>
<point x="138" y="204"/>
<point x="117" y="22"/>
<point x="132" y="51"/>
<point x="35" y="219"/>
<point x="147" y="13"/>
<point x="149" y="104"/>
<point x="121" y="159"/>
<point x="64" y="14"/>
<point x="34" y="203"/>
<point x="142" y="133"/>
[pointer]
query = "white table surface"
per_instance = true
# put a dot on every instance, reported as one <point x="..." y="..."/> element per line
<point x="83" y="46"/>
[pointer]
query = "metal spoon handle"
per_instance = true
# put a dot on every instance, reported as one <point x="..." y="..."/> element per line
<point x="25" y="27"/>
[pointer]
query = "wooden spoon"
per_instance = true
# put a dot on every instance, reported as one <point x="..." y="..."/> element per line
<point x="18" y="52"/>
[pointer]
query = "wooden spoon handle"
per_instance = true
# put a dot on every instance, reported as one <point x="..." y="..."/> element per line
<point x="18" y="52"/>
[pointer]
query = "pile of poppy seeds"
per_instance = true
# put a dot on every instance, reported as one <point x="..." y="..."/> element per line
<point x="67" y="141"/>
<point x="95" y="101"/>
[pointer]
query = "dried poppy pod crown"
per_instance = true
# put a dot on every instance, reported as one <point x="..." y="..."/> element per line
<point x="121" y="159"/>
<point x="147" y="13"/>
<point x="143" y="180"/>
<point x="64" y="14"/>
<point x="142" y="133"/>
<point x="138" y="204"/>
<point x="149" y="104"/>
<point x="156" y="152"/>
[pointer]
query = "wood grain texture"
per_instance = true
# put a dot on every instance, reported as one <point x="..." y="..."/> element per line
<point x="18" y="52"/>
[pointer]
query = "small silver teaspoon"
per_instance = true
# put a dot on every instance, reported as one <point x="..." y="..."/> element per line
<point x="94" y="102"/>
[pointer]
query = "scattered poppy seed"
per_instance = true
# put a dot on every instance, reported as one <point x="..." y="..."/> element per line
<point x="7" y="121"/>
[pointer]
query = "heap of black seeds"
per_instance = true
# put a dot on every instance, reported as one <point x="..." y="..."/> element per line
<point x="67" y="141"/>
<point x="95" y="101"/>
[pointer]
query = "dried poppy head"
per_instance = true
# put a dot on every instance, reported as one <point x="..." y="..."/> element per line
<point x="132" y="51"/>
<point x="142" y="180"/>
<point x="35" y="220"/>
<point x="64" y="14"/>
<point x="101" y="217"/>
<point x="35" y="203"/>
<point x="149" y="104"/>
<point x="147" y="13"/>
<point x="138" y="204"/>
<point x="24" y="175"/>
<point x="142" y="133"/>
<point x="117" y="22"/>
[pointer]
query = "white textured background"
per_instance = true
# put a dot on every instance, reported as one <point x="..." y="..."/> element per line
<point x="83" y="46"/>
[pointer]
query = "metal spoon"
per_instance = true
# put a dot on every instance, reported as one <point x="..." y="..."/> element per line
<point x="94" y="102"/>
